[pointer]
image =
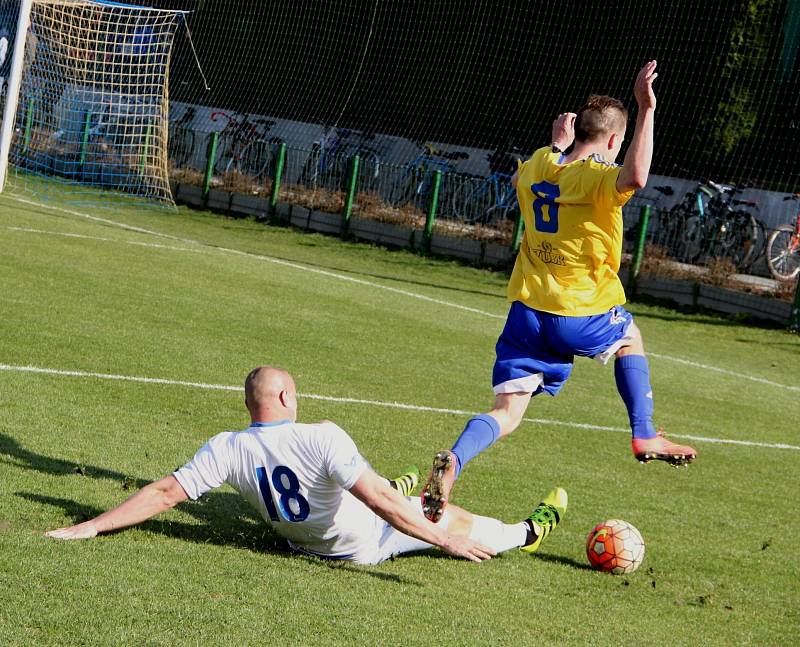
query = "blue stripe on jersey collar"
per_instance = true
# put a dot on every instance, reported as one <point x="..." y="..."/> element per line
<point x="269" y="424"/>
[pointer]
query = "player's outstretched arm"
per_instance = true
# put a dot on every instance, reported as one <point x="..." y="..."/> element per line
<point x="387" y="503"/>
<point x="636" y="167"/>
<point x="151" y="500"/>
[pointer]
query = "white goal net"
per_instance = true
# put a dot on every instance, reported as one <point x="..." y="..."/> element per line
<point x="92" y="107"/>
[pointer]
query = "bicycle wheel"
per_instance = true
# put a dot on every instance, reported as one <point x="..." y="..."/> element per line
<point x="690" y="244"/>
<point x="669" y="230"/>
<point x="256" y="159"/>
<point x="369" y="171"/>
<point x="466" y="200"/>
<point x="497" y="215"/>
<point x="403" y="189"/>
<point x="746" y="240"/>
<point x="181" y="146"/>
<point x="783" y="253"/>
<point x="227" y="155"/>
<point x="734" y="235"/>
<point x="308" y="174"/>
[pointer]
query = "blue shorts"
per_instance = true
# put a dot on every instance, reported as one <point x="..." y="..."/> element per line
<point x="536" y="349"/>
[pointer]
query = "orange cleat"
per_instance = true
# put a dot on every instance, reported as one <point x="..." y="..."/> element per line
<point x="436" y="492"/>
<point x="661" y="449"/>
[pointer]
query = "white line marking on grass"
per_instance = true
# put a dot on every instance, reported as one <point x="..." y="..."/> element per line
<point x="342" y="277"/>
<point x="106" y="221"/>
<point x="373" y="403"/>
<point x="706" y="367"/>
<point x="28" y="230"/>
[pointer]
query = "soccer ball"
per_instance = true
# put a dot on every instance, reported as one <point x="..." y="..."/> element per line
<point x="615" y="546"/>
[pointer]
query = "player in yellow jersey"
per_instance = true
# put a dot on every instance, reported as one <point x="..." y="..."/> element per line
<point x="565" y="293"/>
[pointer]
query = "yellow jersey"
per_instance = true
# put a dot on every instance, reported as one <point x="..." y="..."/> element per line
<point x="570" y="254"/>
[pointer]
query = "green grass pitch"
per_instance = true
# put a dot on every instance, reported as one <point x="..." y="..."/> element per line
<point x="211" y="297"/>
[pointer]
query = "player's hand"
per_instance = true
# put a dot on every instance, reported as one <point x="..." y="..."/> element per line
<point x="467" y="548"/>
<point x="643" y="88"/>
<point x="564" y="130"/>
<point x="85" y="530"/>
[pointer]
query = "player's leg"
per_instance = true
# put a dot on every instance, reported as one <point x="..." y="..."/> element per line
<point x="632" y="374"/>
<point x="527" y="535"/>
<point x="525" y="366"/>
<point x="480" y="433"/>
<point x="614" y="334"/>
<point x="407" y="481"/>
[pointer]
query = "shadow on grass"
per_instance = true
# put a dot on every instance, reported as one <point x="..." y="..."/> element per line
<point x="57" y="467"/>
<point x="682" y="314"/>
<point x="412" y="259"/>
<point x="690" y="314"/>
<point x="357" y="569"/>
<point x="792" y="345"/>
<point x="225" y="517"/>
<point x="221" y="525"/>
<point x="224" y="521"/>
<point x="499" y="295"/>
<point x="567" y="561"/>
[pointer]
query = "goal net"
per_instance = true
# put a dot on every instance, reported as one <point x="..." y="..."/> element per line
<point x="92" y="108"/>
<point x="416" y="86"/>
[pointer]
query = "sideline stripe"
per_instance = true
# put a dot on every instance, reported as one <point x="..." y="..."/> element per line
<point x="374" y="403"/>
<point x="28" y="230"/>
<point x="80" y="214"/>
<point x="352" y="279"/>
<point x="261" y="257"/>
<point x="706" y="367"/>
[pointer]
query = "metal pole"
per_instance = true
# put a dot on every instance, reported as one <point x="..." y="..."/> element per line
<point x="516" y="238"/>
<point x="276" y="182"/>
<point x="351" y="192"/>
<point x="432" y="207"/>
<point x="212" y="159"/>
<point x="14" y="83"/>
<point x="638" y="252"/>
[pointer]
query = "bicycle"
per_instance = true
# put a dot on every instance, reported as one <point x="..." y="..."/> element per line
<point x="716" y="229"/>
<point x="244" y="146"/>
<point x="783" y="248"/>
<point x="664" y="225"/>
<point x="182" y="138"/>
<point x="329" y="160"/>
<point x="417" y="178"/>
<point x="492" y="199"/>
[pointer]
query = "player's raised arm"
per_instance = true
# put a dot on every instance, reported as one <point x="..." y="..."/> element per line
<point x="151" y="500"/>
<point x="636" y="167"/>
<point x="563" y="134"/>
<point x="387" y="503"/>
<point x="564" y="131"/>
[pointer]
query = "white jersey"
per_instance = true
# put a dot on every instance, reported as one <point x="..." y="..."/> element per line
<point x="297" y="477"/>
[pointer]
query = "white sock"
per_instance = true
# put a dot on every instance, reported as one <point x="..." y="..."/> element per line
<point x="497" y="535"/>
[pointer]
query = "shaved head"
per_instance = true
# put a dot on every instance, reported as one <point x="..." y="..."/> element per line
<point x="270" y="394"/>
<point x="599" y="118"/>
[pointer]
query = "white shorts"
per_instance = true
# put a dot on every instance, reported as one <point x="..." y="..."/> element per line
<point x="392" y="542"/>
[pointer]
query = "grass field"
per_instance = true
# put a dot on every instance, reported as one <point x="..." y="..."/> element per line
<point x="202" y="299"/>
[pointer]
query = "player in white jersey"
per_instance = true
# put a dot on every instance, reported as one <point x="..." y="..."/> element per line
<point x="313" y="486"/>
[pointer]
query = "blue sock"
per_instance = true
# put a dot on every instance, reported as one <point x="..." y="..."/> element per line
<point x="479" y="434"/>
<point x="633" y="383"/>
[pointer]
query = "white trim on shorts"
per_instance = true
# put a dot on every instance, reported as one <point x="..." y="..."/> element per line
<point x="527" y="384"/>
<point x="609" y="352"/>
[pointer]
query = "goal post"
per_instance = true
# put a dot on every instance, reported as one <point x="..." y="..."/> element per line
<point x="87" y="99"/>
<point x="12" y="91"/>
